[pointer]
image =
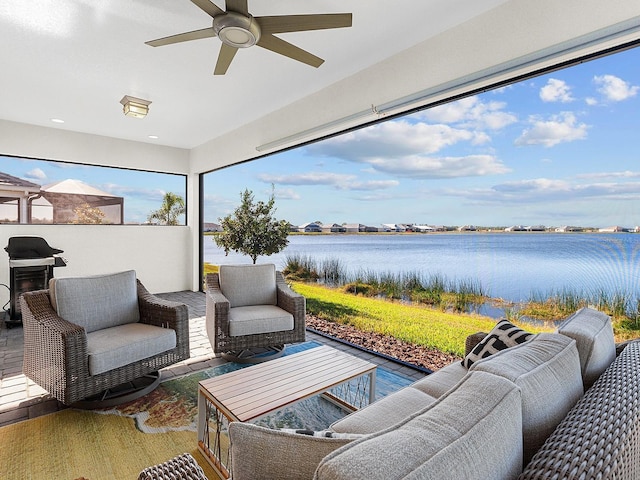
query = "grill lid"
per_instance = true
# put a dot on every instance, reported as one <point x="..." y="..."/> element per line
<point x="30" y="247"/>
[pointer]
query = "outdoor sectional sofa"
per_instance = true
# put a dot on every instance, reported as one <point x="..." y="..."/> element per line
<point x="516" y="412"/>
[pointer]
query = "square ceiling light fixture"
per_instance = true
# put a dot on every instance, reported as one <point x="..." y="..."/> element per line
<point x="135" y="107"/>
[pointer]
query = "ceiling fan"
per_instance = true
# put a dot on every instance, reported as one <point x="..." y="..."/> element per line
<point x="237" y="28"/>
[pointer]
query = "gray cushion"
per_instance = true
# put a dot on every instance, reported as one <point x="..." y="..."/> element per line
<point x="249" y="284"/>
<point x="96" y="302"/>
<point x="593" y="333"/>
<point x="547" y="370"/>
<point x="258" y="452"/>
<point x="116" y="347"/>
<point x="473" y="431"/>
<point x="385" y="412"/>
<point x="439" y="382"/>
<point x="252" y="320"/>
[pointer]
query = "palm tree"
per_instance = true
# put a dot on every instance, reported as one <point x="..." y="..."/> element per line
<point x="171" y="209"/>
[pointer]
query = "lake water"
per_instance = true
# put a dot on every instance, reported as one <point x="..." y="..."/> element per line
<point x="507" y="265"/>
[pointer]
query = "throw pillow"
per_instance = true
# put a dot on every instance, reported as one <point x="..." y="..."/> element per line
<point x="502" y="336"/>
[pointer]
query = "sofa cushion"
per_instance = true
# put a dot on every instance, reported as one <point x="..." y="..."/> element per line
<point x="593" y="333"/>
<point x="249" y="284"/>
<point x="547" y="370"/>
<point x="503" y="335"/>
<point x="96" y="302"/>
<point x="385" y="412"/>
<point x="473" y="431"/>
<point x="256" y="319"/>
<point x="116" y="347"/>
<point x="439" y="382"/>
<point x="259" y="452"/>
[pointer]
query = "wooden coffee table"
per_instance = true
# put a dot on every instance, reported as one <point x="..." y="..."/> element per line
<point x="251" y="392"/>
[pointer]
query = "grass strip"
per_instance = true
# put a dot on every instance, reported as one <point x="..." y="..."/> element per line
<point x="416" y="324"/>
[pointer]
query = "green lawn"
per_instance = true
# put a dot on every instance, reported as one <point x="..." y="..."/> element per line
<point x="412" y="323"/>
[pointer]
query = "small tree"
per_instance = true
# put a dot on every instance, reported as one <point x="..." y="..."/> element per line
<point x="86" y="214"/>
<point x="252" y="230"/>
<point x="171" y="209"/>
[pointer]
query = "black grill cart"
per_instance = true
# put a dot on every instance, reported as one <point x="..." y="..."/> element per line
<point x="31" y="264"/>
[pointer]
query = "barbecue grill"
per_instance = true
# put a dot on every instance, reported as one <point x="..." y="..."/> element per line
<point x="31" y="264"/>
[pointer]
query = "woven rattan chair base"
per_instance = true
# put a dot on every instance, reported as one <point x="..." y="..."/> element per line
<point x="182" y="467"/>
<point x="122" y="393"/>
<point x="254" y="355"/>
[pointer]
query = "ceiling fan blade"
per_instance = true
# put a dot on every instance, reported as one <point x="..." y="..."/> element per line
<point x="239" y="6"/>
<point x="278" y="45"/>
<point x="298" y="23"/>
<point x="224" y="59"/>
<point x="208" y="7"/>
<point x="183" y="37"/>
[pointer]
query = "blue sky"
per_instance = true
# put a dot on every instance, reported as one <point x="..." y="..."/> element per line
<point x="559" y="149"/>
<point x="142" y="191"/>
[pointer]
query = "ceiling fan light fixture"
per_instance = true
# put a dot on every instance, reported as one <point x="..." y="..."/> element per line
<point x="236" y="30"/>
<point x="135" y="107"/>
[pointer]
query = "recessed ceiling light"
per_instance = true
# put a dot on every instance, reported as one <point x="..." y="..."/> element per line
<point x="154" y="137"/>
<point x="57" y="120"/>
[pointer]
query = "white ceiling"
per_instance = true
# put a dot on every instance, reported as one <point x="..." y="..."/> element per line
<point x="75" y="59"/>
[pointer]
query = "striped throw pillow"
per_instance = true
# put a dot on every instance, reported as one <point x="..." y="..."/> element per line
<point x="502" y="336"/>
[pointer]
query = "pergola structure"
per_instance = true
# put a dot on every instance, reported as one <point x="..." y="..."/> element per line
<point x="74" y="61"/>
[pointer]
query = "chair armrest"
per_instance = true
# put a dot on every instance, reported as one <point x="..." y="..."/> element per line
<point x="166" y="314"/>
<point x="473" y="340"/>
<point x="217" y="313"/>
<point x="288" y="300"/>
<point x="55" y="350"/>
<point x="259" y="452"/>
<point x="160" y="312"/>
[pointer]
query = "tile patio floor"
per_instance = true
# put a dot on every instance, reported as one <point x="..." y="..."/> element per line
<point x="21" y="399"/>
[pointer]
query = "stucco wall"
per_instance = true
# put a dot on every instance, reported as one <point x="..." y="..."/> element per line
<point x="161" y="256"/>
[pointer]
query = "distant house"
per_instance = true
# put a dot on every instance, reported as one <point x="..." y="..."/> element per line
<point x="568" y="228"/>
<point x="333" y="228"/>
<point x="354" y="227"/>
<point x="393" y="227"/>
<point x="310" y="227"/>
<point x="614" y="229"/>
<point x="516" y="228"/>
<point x="467" y="228"/>
<point x="424" y="228"/>
<point x="211" y="227"/>
<point x="536" y="228"/>
<point x="16" y="197"/>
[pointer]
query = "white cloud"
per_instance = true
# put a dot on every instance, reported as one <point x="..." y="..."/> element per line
<point x="416" y="166"/>
<point x="614" y="88"/>
<point x="286" y="194"/>
<point x="406" y="149"/>
<point x="336" y="180"/>
<point x="624" y="174"/>
<point x="471" y="112"/>
<point x="36" y="174"/>
<point x="545" y="190"/>
<point x="310" y="178"/>
<point x="557" y="129"/>
<point x="556" y="91"/>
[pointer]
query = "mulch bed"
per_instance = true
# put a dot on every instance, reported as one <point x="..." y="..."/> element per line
<point x="407" y="352"/>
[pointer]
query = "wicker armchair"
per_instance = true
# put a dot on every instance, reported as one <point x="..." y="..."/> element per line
<point x="58" y="357"/>
<point x="251" y="307"/>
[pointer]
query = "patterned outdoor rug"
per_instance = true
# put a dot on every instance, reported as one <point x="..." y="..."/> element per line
<point x="173" y="406"/>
